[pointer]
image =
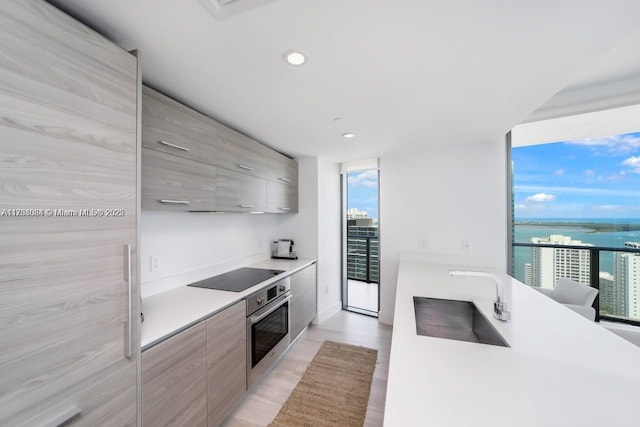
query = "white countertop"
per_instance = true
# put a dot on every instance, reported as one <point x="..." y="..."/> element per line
<point x="561" y="369"/>
<point x="170" y="312"/>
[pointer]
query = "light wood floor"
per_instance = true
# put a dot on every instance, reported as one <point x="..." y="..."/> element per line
<point x="266" y="398"/>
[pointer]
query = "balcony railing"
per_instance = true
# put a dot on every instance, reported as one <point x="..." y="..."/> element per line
<point x="362" y="258"/>
<point x="595" y="279"/>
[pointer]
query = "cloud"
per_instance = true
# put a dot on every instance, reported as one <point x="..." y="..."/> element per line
<point x="589" y="172"/>
<point x="541" y="198"/>
<point x="559" y="172"/>
<point x="364" y="179"/>
<point x="615" y="145"/>
<point x="633" y="162"/>
<point x="584" y="191"/>
<point x="608" y="208"/>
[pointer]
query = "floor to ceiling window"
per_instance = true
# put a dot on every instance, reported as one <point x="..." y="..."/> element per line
<point x="576" y="214"/>
<point x="361" y="263"/>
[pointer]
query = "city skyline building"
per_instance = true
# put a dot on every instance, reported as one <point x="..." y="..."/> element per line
<point x="626" y="287"/>
<point x="550" y="264"/>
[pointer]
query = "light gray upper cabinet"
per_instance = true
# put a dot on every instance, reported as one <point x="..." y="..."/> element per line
<point x="172" y="183"/>
<point x="239" y="153"/>
<point x="174" y="128"/>
<point x="281" y="198"/>
<point x="304" y="299"/>
<point x="282" y="169"/>
<point x="237" y="192"/>
<point x="70" y="343"/>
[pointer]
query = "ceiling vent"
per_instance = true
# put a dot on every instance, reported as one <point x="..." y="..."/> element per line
<point x="222" y="9"/>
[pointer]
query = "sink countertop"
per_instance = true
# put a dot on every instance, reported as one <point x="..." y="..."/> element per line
<point x="170" y="312"/>
<point x="561" y="369"/>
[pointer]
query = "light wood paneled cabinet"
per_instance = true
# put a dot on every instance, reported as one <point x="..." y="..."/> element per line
<point x="281" y="198"/>
<point x="282" y="169"/>
<point x="226" y="361"/>
<point x="69" y="344"/>
<point x="237" y="192"/>
<point x="174" y="380"/>
<point x="172" y="183"/>
<point x="197" y="377"/>
<point x="174" y="128"/>
<point x="304" y="299"/>
<point x="239" y="153"/>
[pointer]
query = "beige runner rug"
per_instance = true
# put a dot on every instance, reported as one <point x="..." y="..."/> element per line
<point x="334" y="390"/>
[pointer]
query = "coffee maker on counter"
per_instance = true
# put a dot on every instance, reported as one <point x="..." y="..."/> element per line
<point x="283" y="249"/>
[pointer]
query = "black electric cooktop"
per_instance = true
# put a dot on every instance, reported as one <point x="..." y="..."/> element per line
<point x="237" y="280"/>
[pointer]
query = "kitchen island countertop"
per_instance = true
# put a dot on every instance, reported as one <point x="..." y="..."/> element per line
<point x="561" y="369"/>
<point x="167" y="313"/>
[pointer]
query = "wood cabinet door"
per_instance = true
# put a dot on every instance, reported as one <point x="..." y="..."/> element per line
<point x="174" y="380"/>
<point x="240" y="153"/>
<point x="172" y="183"/>
<point x="226" y="361"/>
<point x="68" y="207"/>
<point x="281" y="198"/>
<point x="237" y="192"/>
<point x="176" y="129"/>
<point x="282" y="169"/>
<point x="303" y="301"/>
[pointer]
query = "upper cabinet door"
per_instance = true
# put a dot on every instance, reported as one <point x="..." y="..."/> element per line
<point x="239" y="153"/>
<point x="282" y="169"/>
<point x="173" y="128"/>
<point x="68" y="213"/>
<point x="237" y="192"/>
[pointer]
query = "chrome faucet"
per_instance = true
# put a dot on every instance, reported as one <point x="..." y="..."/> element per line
<point x="500" y="309"/>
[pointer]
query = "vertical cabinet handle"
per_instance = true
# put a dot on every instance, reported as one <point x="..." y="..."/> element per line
<point x="245" y="167"/>
<point x="128" y="327"/>
<point x="179" y="147"/>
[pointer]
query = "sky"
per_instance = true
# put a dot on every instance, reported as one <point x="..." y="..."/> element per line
<point x="362" y="192"/>
<point x="588" y="178"/>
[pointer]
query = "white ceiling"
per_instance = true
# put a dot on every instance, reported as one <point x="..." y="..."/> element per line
<point x="402" y="74"/>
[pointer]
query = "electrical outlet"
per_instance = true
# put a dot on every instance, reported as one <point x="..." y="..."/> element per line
<point x="423" y="244"/>
<point x="466" y="245"/>
<point x="153" y="263"/>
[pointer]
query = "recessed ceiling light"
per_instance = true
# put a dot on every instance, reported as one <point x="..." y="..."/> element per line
<point x="294" y="57"/>
<point x="349" y="135"/>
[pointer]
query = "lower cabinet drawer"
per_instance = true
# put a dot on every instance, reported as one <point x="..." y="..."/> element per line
<point x="174" y="380"/>
<point x="172" y="183"/>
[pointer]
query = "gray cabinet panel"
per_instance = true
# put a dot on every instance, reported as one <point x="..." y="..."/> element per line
<point x="172" y="183"/>
<point x="239" y="153"/>
<point x="174" y="380"/>
<point x="176" y="129"/>
<point x="282" y="169"/>
<point x="281" y="198"/>
<point x="304" y="299"/>
<point x="237" y="192"/>
<point x="226" y="361"/>
<point x="69" y="195"/>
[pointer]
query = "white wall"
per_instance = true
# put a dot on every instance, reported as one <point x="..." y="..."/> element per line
<point x="441" y="197"/>
<point x="194" y="246"/>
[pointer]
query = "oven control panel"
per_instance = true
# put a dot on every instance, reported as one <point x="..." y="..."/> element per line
<point x="264" y="296"/>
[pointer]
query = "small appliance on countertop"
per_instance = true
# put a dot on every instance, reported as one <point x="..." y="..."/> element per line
<point x="283" y="249"/>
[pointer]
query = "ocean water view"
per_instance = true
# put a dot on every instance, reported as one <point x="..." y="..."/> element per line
<point x="627" y="230"/>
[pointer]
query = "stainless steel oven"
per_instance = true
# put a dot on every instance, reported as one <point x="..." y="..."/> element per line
<point x="267" y="328"/>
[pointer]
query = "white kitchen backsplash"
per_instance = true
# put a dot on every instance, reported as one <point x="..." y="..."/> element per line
<point x="179" y="248"/>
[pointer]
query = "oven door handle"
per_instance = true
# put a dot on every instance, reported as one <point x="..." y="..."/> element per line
<point x="255" y="319"/>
